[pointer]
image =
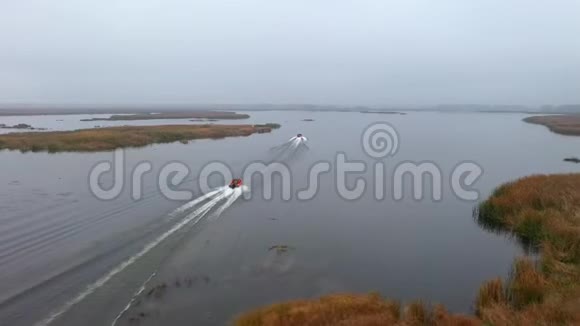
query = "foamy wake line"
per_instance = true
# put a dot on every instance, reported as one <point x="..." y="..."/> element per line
<point x="290" y="149"/>
<point x="231" y="194"/>
<point x="296" y="142"/>
<point x="128" y="306"/>
<point x="232" y="197"/>
<point x="193" y="218"/>
<point x="196" y="201"/>
<point x="299" y="139"/>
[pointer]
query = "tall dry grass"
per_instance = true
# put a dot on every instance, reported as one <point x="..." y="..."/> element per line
<point x="104" y="139"/>
<point x="544" y="211"/>
<point x="566" y="124"/>
<point x="352" y="310"/>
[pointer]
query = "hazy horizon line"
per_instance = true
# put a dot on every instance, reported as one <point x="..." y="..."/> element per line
<point x="94" y="105"/>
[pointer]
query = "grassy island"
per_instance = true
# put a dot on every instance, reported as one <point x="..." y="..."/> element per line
<point x="383" y="112"/>
<point x="541" y="211"/>
<point x="568" y="124"/>
<point x="199" y="115"/>
<point x="105" y="139"/>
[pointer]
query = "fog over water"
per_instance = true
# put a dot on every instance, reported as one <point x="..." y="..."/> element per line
<point x="370" y="52"/>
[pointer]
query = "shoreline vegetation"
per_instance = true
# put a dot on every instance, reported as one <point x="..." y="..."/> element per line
<point x="352" y="310"/>
<point x="201" y="115"/>
<point x="541" y="211"/>
<point x="111" y="138"/>
<point x="568" y="124"/>
<point x="22" y="126"/>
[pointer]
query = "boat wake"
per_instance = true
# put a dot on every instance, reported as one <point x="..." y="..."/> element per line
<point x="219" y="199"/>
<point x="290" y="149"/>
<point x="209" y="206"/>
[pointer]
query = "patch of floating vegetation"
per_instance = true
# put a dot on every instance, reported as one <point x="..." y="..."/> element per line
<point x="280" y="249"/>
<point x="572" y="160"/>
<point x="542" y="211"/>
<point x="141" y="307"/>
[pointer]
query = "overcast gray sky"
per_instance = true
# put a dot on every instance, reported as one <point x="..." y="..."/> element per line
<point x="368" y="52"/>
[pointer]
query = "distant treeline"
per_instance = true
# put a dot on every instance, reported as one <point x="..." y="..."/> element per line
<point x="146" y="110"/>
<point x="569" y="108"/>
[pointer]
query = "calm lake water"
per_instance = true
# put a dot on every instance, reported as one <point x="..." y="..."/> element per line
<point x="57" y="239"/>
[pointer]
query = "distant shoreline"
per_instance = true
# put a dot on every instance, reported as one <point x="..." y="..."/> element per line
<point x="28" y="110"/>
<point x="145" y="111"/>
<point x="212" y="115"/>
<point x="384" y="112"/>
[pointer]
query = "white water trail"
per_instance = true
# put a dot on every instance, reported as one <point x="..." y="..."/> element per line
<point x="194" y="216"/>
<point x="295" y="143"/>
<point x="196" y="201"/>
<point x="200" y="212"/>
<point x="233" y="194"/>
<point x="299" y="139"/>
<point x="292" y="144"/>
<point x="232" y="197"/>
<point x="135" y="295"/>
